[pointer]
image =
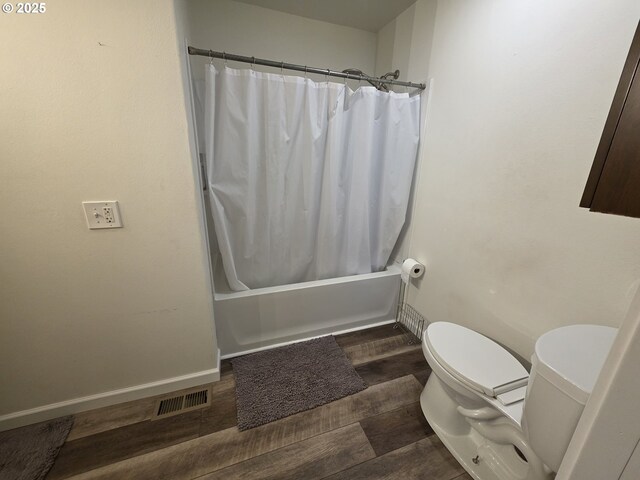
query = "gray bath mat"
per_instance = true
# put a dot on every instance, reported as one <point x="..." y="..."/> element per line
<point x="287" y="380"/>
<point x="27" y="453"/>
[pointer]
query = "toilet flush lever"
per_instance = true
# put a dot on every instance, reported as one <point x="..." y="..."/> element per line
<point x="476" y="459"/>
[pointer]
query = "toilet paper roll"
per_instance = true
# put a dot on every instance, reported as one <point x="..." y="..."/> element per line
<point x="411" y="269"/>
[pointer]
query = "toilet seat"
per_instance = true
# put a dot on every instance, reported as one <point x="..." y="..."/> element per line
<point x="477" y="361"/>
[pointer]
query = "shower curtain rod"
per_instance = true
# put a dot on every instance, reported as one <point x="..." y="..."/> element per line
<point x="300" y="68"/>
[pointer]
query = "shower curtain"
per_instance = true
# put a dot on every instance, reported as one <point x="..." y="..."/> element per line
<point x="306" y="180"/>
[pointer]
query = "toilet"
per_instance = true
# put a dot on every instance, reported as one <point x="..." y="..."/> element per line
<point x="500" y="421"/>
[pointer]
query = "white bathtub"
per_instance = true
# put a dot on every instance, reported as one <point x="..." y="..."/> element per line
<point x="267" y="317"/>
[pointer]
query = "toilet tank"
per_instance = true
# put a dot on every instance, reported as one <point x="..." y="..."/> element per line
<point x="565" y="367"/>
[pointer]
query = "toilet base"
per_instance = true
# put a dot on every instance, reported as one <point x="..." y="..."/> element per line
<point x="482" y="458"/>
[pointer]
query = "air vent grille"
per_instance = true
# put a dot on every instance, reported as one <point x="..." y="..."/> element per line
<point x="196" y="398"/>
<point x="170" y="405"/>
<point x="181" y="402"/>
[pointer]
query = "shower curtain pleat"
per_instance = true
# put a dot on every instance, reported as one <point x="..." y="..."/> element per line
<point x="306" y="180"/>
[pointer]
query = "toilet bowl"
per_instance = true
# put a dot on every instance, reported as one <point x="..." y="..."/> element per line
<point x="500" y="422"/>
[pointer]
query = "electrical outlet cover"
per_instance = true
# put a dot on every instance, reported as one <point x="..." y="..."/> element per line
<point x="103" y="214"/>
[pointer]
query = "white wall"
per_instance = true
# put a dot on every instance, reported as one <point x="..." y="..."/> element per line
<point x="421" y="40"/>
<point x="521" y="94"/>
<point x="408" y="34"/>
<point x="86" y="312"/>
<point x="402" y="42"/>
<point x="385" y="39"/>
<point x="249" y="30"/>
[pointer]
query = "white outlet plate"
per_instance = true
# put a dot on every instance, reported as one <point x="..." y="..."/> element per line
<point x="103" y="214"/>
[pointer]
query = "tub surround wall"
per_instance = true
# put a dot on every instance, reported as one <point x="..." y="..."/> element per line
<point x="521" y="92"/>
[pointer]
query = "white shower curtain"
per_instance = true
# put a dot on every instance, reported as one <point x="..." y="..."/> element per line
<point x="306" y="180"/>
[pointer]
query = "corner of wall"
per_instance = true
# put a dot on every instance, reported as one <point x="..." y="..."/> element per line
<point x="385" y="39"/>
<point x="182" y="38"/>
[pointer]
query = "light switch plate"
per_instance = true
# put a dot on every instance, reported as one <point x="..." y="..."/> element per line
<point x="103" y="214"/>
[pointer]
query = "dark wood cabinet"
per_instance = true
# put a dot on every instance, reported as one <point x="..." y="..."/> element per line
<point x="614" y="182"/>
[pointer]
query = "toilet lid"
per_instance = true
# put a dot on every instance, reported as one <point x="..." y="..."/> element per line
<point x="474" y="359"/>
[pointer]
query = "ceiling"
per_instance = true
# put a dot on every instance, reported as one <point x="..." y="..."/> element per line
<point x="369" y="15"/>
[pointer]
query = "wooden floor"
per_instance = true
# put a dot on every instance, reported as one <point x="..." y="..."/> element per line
<point x="379" y="433"/>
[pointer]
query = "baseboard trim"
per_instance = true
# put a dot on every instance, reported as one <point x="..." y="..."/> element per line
<point x="81" y="404"/>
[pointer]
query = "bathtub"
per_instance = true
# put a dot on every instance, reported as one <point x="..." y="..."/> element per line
<point x="264" y="318"/>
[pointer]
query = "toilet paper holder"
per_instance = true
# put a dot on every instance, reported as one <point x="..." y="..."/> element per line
<point x="408" y="319"/>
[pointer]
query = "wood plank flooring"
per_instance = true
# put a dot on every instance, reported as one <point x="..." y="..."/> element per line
<point x="377" y="433"/>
